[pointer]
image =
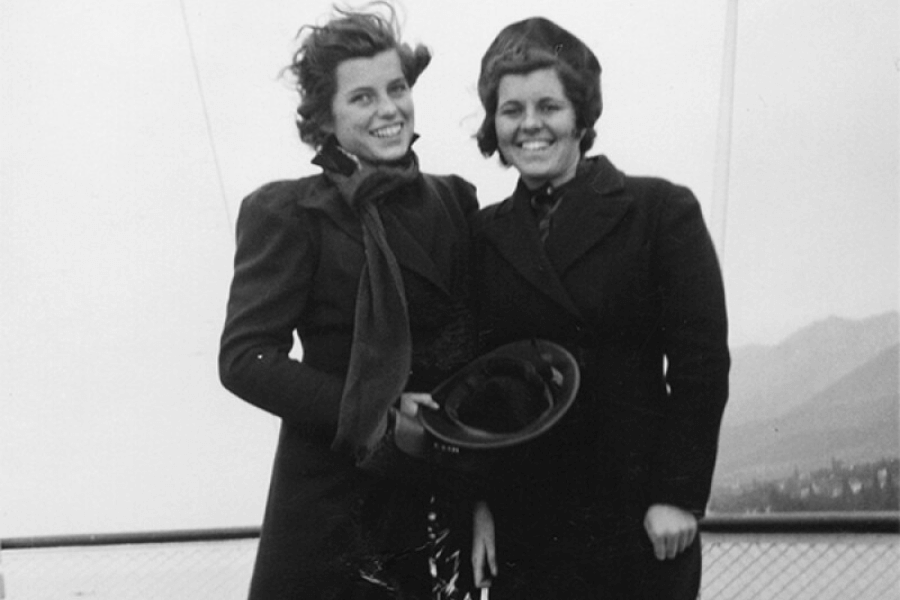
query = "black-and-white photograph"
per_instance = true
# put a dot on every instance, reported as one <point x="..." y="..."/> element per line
<point x="472" y="300"/>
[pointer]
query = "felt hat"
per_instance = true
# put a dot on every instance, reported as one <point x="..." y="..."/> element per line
<point x="506" y="397"/>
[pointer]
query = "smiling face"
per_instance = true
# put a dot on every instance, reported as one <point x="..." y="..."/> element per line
<point x="536" y="132"/>
<point x="373" y="116"/>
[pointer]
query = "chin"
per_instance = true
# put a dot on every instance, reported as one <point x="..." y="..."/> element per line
<point x="391" y="153"/>
<point x="535" y="173"/>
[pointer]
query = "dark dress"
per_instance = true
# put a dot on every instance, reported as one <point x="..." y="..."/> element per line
<point x="330" y="530"/>
<point x="629" y="282"/>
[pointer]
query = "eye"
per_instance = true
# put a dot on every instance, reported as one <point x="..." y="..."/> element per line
<point x="399" y="88"/>
<point x="362" y="98"/>
<point x="510" y="110"/>
<point x="550" y="107"/>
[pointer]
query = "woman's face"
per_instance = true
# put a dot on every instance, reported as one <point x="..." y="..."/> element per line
<point x="372" y="111"/>
<point x="535" y="123"/>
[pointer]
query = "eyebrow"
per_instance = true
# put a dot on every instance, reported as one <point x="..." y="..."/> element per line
<point x="371" y="88"/>
<point x="540" y="100"/>
<point x="360" y="89"/>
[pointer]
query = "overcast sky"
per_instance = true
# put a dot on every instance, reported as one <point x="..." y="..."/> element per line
<point x="117" y="206"/>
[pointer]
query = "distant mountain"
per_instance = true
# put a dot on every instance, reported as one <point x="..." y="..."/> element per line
<point x="855" y="420"/>
<point x="770" y="381"/>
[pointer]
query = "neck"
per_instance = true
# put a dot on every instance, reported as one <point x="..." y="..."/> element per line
<point x="554" y="182"/>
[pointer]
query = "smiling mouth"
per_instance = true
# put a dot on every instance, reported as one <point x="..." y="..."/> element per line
<point x="387" y="132"/>
<point x="535" y="145"/>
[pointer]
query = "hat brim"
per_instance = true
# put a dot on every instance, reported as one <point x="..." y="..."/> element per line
<point x="449" y="431"/>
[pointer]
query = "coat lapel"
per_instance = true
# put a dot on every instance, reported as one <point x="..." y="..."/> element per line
<point x="325" y="197"/>
<point x="409" y="253"/>
<point x="511" y="229"/>
<point x="588" y="213"/>
<point x="412" y="256"/>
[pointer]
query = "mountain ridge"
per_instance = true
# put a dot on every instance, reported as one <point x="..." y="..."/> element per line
<point x="768" y="381"/>
<point x="815" y="404"/>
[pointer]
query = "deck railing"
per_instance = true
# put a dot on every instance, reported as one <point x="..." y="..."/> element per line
<point x="817" y="556"/>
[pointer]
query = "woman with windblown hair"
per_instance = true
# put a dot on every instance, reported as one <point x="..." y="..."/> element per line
<point x="368" y="262"/>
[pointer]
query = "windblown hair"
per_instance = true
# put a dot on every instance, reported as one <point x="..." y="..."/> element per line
<point x="522" y="48"/>
<point x="349" y="34"/>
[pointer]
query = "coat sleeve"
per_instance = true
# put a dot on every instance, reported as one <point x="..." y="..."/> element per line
<point x="273" y="270"/>
<point x="694" y="335"/>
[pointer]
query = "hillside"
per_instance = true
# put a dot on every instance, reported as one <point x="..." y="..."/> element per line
<point x="855" y="420"/>
<point x="770" y="381"/>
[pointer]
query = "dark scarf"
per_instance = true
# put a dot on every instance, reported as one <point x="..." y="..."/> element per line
<point x="380" y="355"/>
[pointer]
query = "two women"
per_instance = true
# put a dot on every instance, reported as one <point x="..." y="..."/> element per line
<point x="621" y="271"/>
<point x="368" y="262"/>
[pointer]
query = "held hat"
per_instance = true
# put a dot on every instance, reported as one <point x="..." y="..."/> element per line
<point x="506" y="397"/>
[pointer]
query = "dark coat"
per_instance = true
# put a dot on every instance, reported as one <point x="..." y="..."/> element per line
<point x="297" y="265"/>
<point x="629" y="282"/>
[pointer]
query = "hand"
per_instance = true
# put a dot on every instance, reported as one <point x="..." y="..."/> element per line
<point x="670" y="529"/>
<point x="484" y="555"/>
<point x="411" y="401"/>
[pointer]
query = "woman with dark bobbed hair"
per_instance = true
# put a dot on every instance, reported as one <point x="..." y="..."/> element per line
<point x="620" y="271"/>
<point x="368" y="263"/>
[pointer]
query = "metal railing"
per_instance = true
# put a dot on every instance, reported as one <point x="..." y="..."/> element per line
<point x="820" y="556"/>
<point x="817" y="556"/>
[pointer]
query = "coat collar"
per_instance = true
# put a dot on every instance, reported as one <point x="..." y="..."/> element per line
<point x="325" y="197"/>
<point x="592" y="205"/>
<point x="589" y="212"/>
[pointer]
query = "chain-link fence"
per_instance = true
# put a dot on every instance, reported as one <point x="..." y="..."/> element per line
<point x="792" y="567"/>
<point x="782" y="560"/>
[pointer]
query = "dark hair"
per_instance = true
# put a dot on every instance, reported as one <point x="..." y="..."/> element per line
<point x="349" y="34"/>
<point x="531" y="45"/>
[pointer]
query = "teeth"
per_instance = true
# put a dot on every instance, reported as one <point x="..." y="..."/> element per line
<point x="535" y="145"/>
<point x="386" y="132"/>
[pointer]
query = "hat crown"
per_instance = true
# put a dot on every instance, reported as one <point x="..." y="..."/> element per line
<point x="505" y="395"/>
<point x="511" y="395"/>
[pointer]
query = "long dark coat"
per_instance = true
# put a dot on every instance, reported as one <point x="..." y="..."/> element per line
<point x="629" y="282"/>
<point x="297" y="265"/>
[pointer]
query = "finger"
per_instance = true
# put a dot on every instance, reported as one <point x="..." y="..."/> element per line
<point x="425" y="400"/>
<point x="686" y="537"/>
<point x="692" y="535"/>
<point x="477" y="565"/>
<point x="480" y="577"/>
<point x="408" y="405"/>
<point x="411" y="401"/>
<point x="659" y="548"/>
<point x="671" y="546"/>
<point x="489" y="562"/>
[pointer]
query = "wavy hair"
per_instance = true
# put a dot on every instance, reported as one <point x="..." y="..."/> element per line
<point x="348" y="34"/>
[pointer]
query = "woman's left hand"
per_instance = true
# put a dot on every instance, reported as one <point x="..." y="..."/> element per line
<point x="670" y="529"/>
<point x="411" y="401"/>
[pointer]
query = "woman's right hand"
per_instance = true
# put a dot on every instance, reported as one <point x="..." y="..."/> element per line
<point x="484" y="554"/>
<point x="411" y="401"/>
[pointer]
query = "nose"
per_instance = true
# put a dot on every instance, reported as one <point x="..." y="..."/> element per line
<point x="387" y="107"/>
<point x="530" y="120"/>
